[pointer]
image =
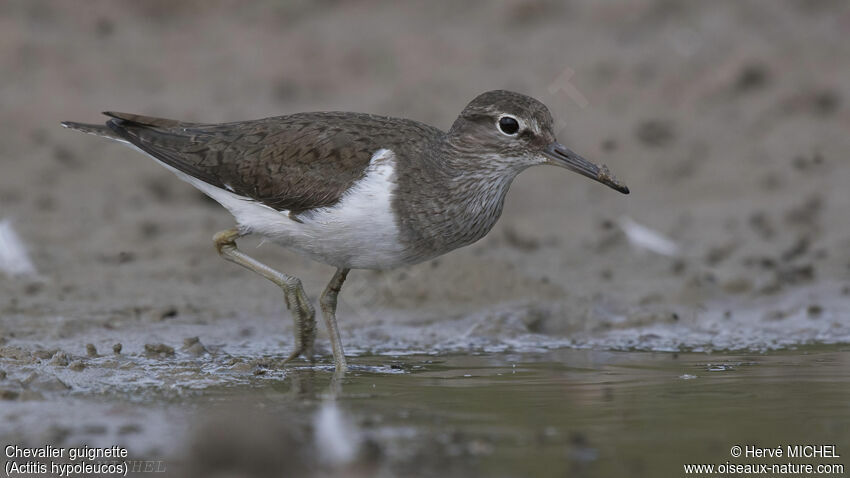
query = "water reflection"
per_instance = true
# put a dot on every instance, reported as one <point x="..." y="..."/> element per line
<point x="561" y="413"/>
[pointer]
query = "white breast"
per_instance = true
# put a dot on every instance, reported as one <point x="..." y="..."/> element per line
<point x="359" y="232"/>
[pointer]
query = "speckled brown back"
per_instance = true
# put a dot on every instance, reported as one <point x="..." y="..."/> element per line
<point x="295" y="163"/>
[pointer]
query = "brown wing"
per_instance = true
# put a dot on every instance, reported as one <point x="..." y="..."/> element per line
<point x="295" y="162"/>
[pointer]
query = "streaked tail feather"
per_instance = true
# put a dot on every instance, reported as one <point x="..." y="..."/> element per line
<point x="146" y="120"/>
<point x="95" y="129"/>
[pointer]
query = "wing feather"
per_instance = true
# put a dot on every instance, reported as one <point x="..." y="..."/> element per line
<point x="297" y="162"/>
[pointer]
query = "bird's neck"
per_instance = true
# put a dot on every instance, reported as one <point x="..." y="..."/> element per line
<point x="457" y="197"/>
<point x="479" y="180"/>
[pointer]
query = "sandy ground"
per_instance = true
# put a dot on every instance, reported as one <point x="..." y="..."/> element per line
<point x="728" y="121"/>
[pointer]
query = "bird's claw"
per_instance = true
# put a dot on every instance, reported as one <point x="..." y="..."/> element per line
<point x="304" y="320"/>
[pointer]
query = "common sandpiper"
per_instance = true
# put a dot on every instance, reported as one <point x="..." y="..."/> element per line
<point x="354" y="190"/>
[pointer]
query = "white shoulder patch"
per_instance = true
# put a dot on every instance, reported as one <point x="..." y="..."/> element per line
<point x="360" y="231"/>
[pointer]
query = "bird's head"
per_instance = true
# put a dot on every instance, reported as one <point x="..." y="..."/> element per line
<point x="509" y="131"/>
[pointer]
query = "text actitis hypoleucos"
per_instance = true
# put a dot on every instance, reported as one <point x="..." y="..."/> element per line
<point x="353" y="190"/>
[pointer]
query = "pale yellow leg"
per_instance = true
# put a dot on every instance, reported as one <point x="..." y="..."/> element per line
<point x="303" y="314"/>
<point x="328" y="304"/>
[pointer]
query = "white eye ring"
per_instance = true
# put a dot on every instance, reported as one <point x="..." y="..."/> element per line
<point x="513" y="125"/>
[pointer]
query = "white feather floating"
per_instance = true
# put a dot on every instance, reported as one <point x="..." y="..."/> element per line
<point x="645" y="238"/>
<point x="14" y="259"/>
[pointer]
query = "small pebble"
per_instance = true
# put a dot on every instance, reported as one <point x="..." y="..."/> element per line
<point x="194" y="346"/>
<point x="242" y="367"/>
<point x="116" y="349"/>
<point x="45" y="354"/>
<point x="91" y="351"/>
<point x="60" y="358"/>
<point x="158" y="349"/>
<point x="190" y="341"/>
<point x="77" y="365"/>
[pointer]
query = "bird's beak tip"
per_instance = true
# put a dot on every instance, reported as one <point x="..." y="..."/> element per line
<point x="560" y="155"/>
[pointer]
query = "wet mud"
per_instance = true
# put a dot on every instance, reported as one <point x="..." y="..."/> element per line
<point x="568" y="332"/>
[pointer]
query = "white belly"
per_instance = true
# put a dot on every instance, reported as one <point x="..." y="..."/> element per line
<point x="359" y="232"/>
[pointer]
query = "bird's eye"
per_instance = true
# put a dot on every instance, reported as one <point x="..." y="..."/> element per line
<point x="508" y="125"/>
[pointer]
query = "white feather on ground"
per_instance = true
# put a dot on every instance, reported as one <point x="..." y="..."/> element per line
<point x="14" y="259"/>
<point x="643" y="237"/>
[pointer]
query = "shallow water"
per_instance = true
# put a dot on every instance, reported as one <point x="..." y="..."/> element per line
<point x="589" y="413"/>
<point x="561" y="412"/>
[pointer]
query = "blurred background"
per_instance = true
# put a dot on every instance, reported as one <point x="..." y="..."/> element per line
<point x="728" y="120"/>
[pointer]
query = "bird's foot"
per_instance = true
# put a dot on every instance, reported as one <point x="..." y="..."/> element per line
<point x="304" y="320"/>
